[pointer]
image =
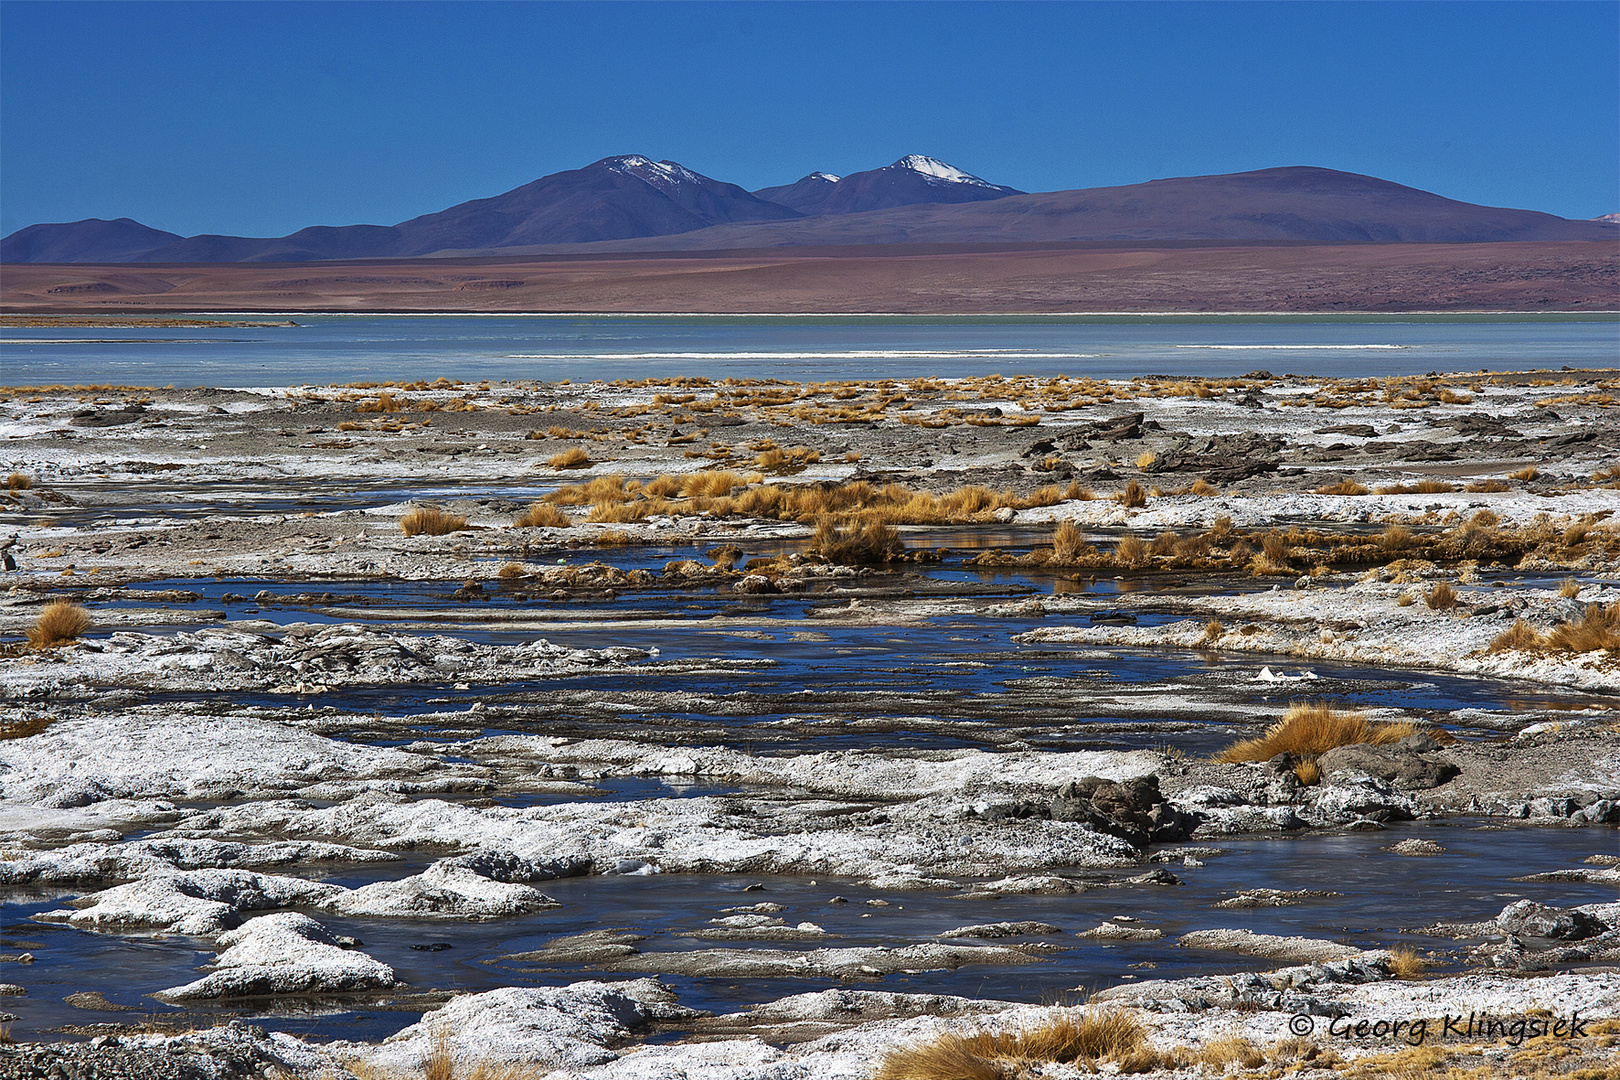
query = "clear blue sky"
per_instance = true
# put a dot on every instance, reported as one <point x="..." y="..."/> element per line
<point x="260" y="118"/>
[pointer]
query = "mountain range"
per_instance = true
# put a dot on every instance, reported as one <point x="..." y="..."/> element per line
<point x="632" y="203"/>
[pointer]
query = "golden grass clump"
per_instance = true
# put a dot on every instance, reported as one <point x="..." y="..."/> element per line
<point x="19" y="482"/>
<point x="1204" y="487"/>
<point x="543" y="515"/>
<point x="1346" y="486"/>
<point x="511" y="571"/>
<point x="385" y="402"/>
<point x="1146" y="458"/>
<point x="984" y="1055"/>
<point x="1131" y="551"/>
<point x="873" y="542"/>
<point x="1407" y="964"/>
<point x="1132" y="496"/>
<point x="431" y="521"/>
<point x="1308" y="773"/>
<point x="1527" y="474"/>
<point x="1067" y="542"/>
<point x="1311" y="730"/>
<point x="1569" y="588"/>
<point x="1599" y="629"/>
<point x="1521" y="637"/>
<point x="60" y="622"/>
<point x="1441" y="597"/>
<point x="1479" y="486"/>
<point x="573" y="458"/>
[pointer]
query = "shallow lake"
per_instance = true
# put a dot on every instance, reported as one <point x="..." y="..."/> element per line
<point x="347" y="348"/>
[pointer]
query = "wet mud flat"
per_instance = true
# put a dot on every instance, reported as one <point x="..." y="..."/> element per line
<point x="795" y="730"/>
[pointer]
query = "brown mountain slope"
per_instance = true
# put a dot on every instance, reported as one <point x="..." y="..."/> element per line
<point x="947" y="279"/>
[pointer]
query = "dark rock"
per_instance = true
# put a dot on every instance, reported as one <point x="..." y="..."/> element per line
<point x="1223" y="458"/>
<point x="1133" y="810"/>
<point x="1113" y="429"/>
<point x="1399" y="764"/>
<point x="1360" y="431"/>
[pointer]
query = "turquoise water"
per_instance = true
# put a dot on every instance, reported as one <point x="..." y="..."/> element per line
<point x="345" y="348"/>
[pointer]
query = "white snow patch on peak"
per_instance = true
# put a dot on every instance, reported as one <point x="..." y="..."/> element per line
<point x="935" y="169"/>
<point x="827" y="176"/>
<point x="664" y="175"/>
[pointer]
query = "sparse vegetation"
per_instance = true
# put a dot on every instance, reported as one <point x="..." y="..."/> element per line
<point x="543" y="515"/>
<point x="873" y="542"/>
<point x="1311" y="730"/>
<point x="1088" y="1039"/>
<point x="60" y="622"/>
<point x="19" y="482"/>
<point x="1569" y="588"/>
<point x="1405" y="963"/>
<point x="1343" y="487"/>
<point x="1132" y="496"/>
<point x="573" y="458"/>
<point x="431" y="521"/>
<point x="1441" y="597"/>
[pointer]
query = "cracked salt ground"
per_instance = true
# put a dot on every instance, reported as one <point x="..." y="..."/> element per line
<point x="1366" y="901"/>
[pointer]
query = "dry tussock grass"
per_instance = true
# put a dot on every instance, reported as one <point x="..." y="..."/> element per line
<point x="1569" y="588"/>
<point x="1204" y="487"/>
<point x="1311" y="730"/>
<point x="1132" y="496"/>
<point x="1346" y="486"/>
<point x="573" y="458"/>
<point x="431" y="521"/>
<point x="19" y="482"/>
<point x="384" y="402"/>
<point x="1441" y="597"/>
<point x="873" y="542"/>
<point x="1407" y="964"/>
<point x="1526" y="474"/>
<point x="1421" y="487"/>
<point x="1088" y="1039"/>
<point x="60" y="622"/>
<point x="543" y="515"/>
<point x="1479" y="486"/>
<point x="1598" y="630"/>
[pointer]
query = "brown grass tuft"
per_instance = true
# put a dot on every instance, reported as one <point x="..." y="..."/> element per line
<point x="1132" y="496"/>
<point x="1407" y="964"/>
<point x="1346" y="486"/>
<point x="873" y="542"/>
<point x="1213" y="630"/>
<point x="511" y="571"/>
<point x="1308" y="773"/>
<point x="1146" y="458"/>
<point x="1569" y="588"/>
<point x="984" y="1055"/>
<point x="1479" y="486"/>
<point x="1521" y="636"/>
<point x="1067" y="542"/>
<point x="1599" y="629"/>
<point x="431" y="521"/>
<point x="1527" y="474"/>
<point x="574" y="458"/>
<point x="1311" y="730"/>
<point x="1131" y="551"/>
<point x="543" y="515"/>
<point x="1441" y="597"/>
<point x="19" y="482"/>
<point x="1204" y="487"/>
<point x="60" y="622"/>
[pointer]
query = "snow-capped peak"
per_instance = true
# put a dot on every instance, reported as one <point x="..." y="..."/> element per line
<point x="1614" y="218"/>
<point x="664" y="175"/>
<point x="935" y="169"/>
<point x="827" y="176"/>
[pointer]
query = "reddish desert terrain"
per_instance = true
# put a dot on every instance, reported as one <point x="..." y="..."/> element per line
<point x="1527" y="276"/>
